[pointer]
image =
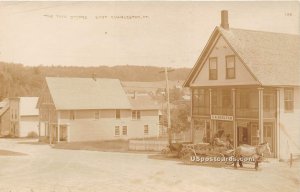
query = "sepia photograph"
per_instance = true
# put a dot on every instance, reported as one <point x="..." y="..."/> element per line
<point x="152" y="96"/>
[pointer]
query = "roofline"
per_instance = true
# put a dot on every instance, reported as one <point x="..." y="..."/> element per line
<point x="4" y="111"/>
<point x="143" y="109"/>
<point x="207" y="49"/>
<point x="66" y="77"/>
<point x="67" y="109"/>
<point x="121" y="108"/>
<point x="264" y="31"/>
<point x="205" y="57"/>
<point x="32" y="115"/>
<point x="243" y="62"/>
<point x="281" y="86"/>
<point x="193" y="71"/>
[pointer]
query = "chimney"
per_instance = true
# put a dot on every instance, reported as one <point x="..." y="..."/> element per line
<point x="224" y="19"/>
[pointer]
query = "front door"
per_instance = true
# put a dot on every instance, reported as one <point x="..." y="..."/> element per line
<point x="269" y="135"/>
<point x="63" y="133"/>
<point x="201" y="132"/>
<point x="243" y="136"/>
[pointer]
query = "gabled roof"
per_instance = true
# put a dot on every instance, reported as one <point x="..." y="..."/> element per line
<point x="143" y="102"/>
<point x="28" y="106"/>
<point x="272" y="58"/>
<point x="87" y="93"/>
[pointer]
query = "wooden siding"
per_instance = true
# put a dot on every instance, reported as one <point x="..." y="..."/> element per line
<point x="220" y="51"/>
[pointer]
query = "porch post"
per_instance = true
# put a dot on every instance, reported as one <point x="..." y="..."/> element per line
<point x="204" y="132"/>
<point x="261" y="114"/>
<point x="192" y="119"/>
<point x="211" y="126"/>
<point x="49" y="127"/>
<point x="39" y="128"/>
<point x="58" y="126"/>
<point x="192" y="130"/>
<point x="50" y="133"/>
<point x="68" y="132"/>
<point x="278" y="123"/>
<point x="234" y="121"/>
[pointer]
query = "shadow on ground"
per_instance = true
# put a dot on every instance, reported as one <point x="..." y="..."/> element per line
<point x="10" y="153"/>
<point x="32" y="143"/>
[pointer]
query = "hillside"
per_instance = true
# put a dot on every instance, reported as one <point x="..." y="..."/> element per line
<point x="18" y="80"/>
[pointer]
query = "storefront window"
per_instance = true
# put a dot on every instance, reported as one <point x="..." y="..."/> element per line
<point x="222" y="102"/>
<point x="247" y="103"/>
<point x="201" y="131"/>
<point x="224" y="131"/>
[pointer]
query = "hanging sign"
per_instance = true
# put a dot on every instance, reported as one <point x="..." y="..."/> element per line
<point x="222" y="117"/>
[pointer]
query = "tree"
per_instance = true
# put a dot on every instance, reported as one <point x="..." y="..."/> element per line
<point x="180" y="117"/>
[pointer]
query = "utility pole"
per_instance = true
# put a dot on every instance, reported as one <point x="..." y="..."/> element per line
<point x="168" y="103"/>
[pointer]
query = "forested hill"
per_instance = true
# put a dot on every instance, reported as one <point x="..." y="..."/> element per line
<point x="18" y="80"/>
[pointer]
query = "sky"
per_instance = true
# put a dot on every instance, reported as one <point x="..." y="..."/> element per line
<point x="166" y="34"/>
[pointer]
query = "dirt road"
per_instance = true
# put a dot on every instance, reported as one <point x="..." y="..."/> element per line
<point x="56" y="170"/>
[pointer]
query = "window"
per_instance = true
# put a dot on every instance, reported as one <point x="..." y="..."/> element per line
<point x="213" y="68"/>
<point x="124" y="130"/>
<point x="230" y="67"/>
<point x="200" y="101"/>
<point x="146" y="129"/>
<point x="136" y="114"/>
<point x="72" y="115"/>
<point x="288" y="100"/>
<point x="118" y="113"/>
<point x="133" y="114"/>
<point x="97" y="114"/>
<point x="117" y="130"/>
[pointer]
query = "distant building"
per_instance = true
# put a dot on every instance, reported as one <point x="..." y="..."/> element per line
<point x="246" y="85"/>
<point x="18" y="117"/>
<point x="9" y="117"/>
<point x="93" y="109"/>
<point x="29" y="117"/>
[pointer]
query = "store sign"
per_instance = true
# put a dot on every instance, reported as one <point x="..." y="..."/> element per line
<point x="222" y="117"/>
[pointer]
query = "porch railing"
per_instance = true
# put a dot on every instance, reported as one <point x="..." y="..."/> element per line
<point x="222" y="110"/>
<point x="248" y="112"/>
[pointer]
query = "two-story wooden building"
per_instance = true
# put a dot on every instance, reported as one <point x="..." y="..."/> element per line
<point x="93" y="109"/>
<point x="19" y="117"/>
<point x="246" y="87"/>
<point x="9" y="117"/>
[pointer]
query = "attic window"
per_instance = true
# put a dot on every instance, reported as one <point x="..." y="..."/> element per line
<point x="136" y="115"/>
<point x="213" y="68"/>
<point x="230" y="67"/>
